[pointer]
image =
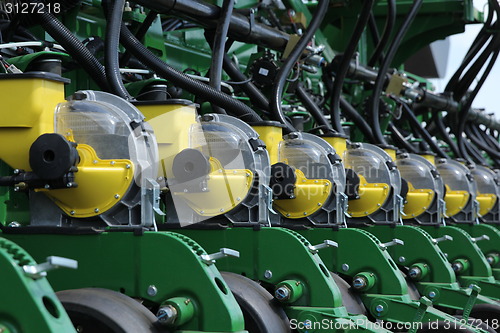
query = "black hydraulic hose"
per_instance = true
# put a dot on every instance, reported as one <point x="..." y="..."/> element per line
<point x="475" y="154"/>
<point x="231" y="105"/>
<point x="475" y="138"/>
<point x="218" y="48"/>
<point x="490" y="139"/>
<point x="373" y="108"/>
<point x="378" y="55"/>
<point x="74" y="47"/>
<point x="219" y="42"/>
<point x="276" y="96"/>
<point x="400" y="139"/>
<point x="357" y="119"/>
<point x="140" y="34"/>
<point x="466" y="107"/>
<point x="257" y="98"/>
<point x="111" y="52"/>
<point x="343" y="68"/>
<point x="415" y="124"/>
<point x="372" y="26"/>
<point x="436" y="119"/>
<point x="312" y="107"/>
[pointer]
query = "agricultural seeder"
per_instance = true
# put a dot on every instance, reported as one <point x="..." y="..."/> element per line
<point x="246" y="166"/>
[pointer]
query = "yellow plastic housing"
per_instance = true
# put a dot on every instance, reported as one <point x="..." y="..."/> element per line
<point x="430" y="158"/>
<point x="272" y="136"/>
<point x="486" y="202"/>
<point x="455" y="201"/>
<point x="391" y="152"/>
<point x="172" y="124"/>
<point x="372" y="197"/>
<point x="227" y="189"/>
<point x="27" y="112"/>
<point x="417" y="201"/>
<point x="338" y="143"/>
<point x="101" y="184"/>
<point x="310" y="194"/>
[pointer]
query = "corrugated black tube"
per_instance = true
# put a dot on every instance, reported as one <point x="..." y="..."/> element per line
<point x="142" y="53"/>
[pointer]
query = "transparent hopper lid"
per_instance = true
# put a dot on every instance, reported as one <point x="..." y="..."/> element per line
<point x="454" y="175"/>
<point x="369" y="164"/>
<point x="485" y="180"/>
<point x="107" y="129"/>
<point x="216" y="173"/>
<point x="417" y="173"/>
<point x="306" y="156"/>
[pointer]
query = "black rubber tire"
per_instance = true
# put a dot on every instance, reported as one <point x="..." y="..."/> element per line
<point x="442" y="326"/>
<point x="263" y="314"/>
<point x="488" y="313"/>
<point x="350" y="299"/>
<point x="99" y="310"/>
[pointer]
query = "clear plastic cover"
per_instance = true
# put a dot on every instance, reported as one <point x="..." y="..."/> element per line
<point x="454" y="175"/>
<point x="485" y="180"/>
<point x="416" y="173"/>
<point x="307" y="157"/>
<point x="226" y="177"/>
<point x="96" y="125"/>
<point x="368" y="164"/>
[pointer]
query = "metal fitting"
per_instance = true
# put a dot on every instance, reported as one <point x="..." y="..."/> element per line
<point x="282" y="293"/>
<point x="167" y="315"/>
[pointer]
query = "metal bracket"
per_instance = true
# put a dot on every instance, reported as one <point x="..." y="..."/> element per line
<point x="327" y="243"/>
<point x="475" y="290"/>
<point x="420" y="313"/>
<point x="38" y="271"/>
<point x="480" y="238"/>
<point x="442" y="212"/>
<point x="475" y="211"/>
<point x="210" y="259"/>
<point x="395" y="241"/>
<point x="442" y="239"/>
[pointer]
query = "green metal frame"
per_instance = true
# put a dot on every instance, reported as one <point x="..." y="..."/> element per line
<point x="262" y="260"/>
<point x="464" y="248"/>
<point x="154" y="266"/>
<point x="28" y="304"/>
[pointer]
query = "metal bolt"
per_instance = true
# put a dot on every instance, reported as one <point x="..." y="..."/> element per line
<point x="457" y="267"/>
<point x="117" y="196"/>
<point x="379" y="308"/>
<point x="490" y="260"/>
<point x="127" y="166"/>
<point x="415" y="272"/>
<point x="69" y="184"/>
<point x="221" y="210"/>
<point x="72" y="212"/>
<point x="14" y="224"/>
<point x="96" y="210"/>
<point x="345" y="267"/>
<point x="17" y="171"/>
<point x="432" y="294"/>
<point x="305" y="213"/>
<point x="402" y="259"/>
<point x="47" y="186"/>
<point x="112" y="162"/>
<point x="359" y="283"/>
<point x="268" y="274"/>
<point x="94" y="161"/>
<point x="282" y="293"/>
<point x="152" y="290"/>
<point x="167" y="315"/>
